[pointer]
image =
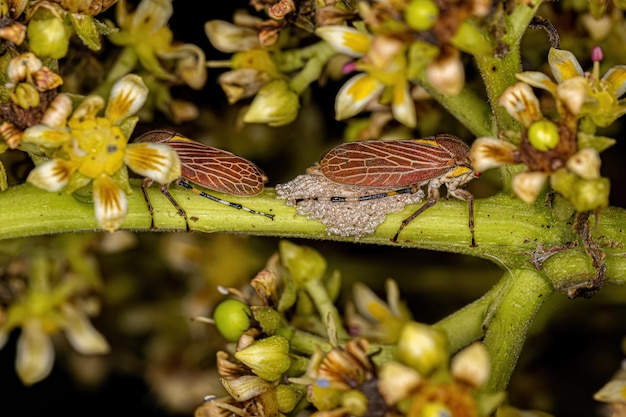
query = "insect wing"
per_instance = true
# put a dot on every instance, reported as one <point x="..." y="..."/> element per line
<point x="217" y="169"/>
<point x="387" y="163"/>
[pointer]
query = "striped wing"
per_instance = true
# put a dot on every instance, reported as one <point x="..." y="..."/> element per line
<point x="217" y="169"/>
<point x="387" y="163"/>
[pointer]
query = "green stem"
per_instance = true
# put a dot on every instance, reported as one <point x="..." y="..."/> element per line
<point x="312" y="67"/>
<point x="467" y="107"/>
<point x="510" y="321"/>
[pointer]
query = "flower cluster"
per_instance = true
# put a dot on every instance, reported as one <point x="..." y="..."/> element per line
<point x="290" y="351"/>
<point x="564" y="148"/>
<point x="148" y="46"/>
<point x="395" y="46"/>
<point x="53" y="283"/>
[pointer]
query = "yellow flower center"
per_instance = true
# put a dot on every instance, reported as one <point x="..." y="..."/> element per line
<point x="97" y="147"/>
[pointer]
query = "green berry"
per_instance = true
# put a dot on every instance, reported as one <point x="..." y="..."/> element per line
<point x="232" y="318"/>
<point x="421" y="14"/>
<point x="543" y="135"/>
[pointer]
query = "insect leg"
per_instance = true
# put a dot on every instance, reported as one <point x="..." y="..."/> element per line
<point x="433" y="196"/>
<point x="219" y="200"/>
<point x="465" y="195"/>
<point x="144" y="190"/>
<point x="180" y="210"/>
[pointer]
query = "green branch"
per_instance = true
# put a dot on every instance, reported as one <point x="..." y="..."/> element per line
<point x="506" y="228"/>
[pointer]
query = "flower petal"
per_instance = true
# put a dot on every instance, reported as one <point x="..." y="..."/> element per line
<point x="403" y="107"/>
<point x="528" y="185"/>
<point x="564" y="64"/>
<point x="446" y="73"/>
<point x="156" y="161"/>
<point x="572" y="93"/>
<point x="128" y="95"/>
<point x="46" y="136"/>
<point x="354" y="95"/>
<point x="520" y="102"/>
<point x="487" y="153"/>
<point x="616" y="76"/>
<point x="537" y="79"/>
<point x="35" y="353"/>
<point x="151" y="15"/>
<point x="52" y="175"/>
<point x="228" y="37"/>
<point x="81" y="334"/>
<point x="109" y="202"/>
<point x="346" y="40"/>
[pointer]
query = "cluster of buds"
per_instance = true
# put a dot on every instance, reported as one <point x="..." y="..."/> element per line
<point x="32" y="89"/>
<point x="565" y="150"/>
<point x="289" y="351"/>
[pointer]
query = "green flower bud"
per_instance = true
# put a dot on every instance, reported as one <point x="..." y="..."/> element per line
<point x="274" y="104"/>
<point x="269" y="319"/>
<point x="49" y="38"/>
<point x="26" y="96"/>
<point x="304" y="263"/>
<point x="288" y="397"/>
<point x="232" y="318"/>
<point x="471" y="39"/>
<point x="422" y="348"/>
<point x="591" y="194"/>
<point x="562" y="181"/>
<point x="268" y="358"/>
<point x="421" y="14"/>
<point x="543" y="135"/>
<point x="325" y="397"/>
<point x="354" y="402"/>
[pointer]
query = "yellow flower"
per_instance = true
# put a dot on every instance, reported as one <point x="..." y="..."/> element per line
<point x="92" y="149"/>
<point x="48" y="305"/>
<point x="583" y="93"/>
<point x="383" y="64"/>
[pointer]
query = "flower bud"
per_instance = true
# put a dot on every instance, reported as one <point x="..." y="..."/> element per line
<point x="26" y="96"/>
<point x="269" y="319"/>
<point x="543" y="135"/>
<point x="354" y="402"/>
<point x="287" y="397"/>
<point x="421" y="347"/>
<point x="469" y="38"/>
<point x="274" y="104"/>
<point x="268" y="358"/>
<point x="49" y="38"/>
<point x="562" y="181"/>
<point x="303" y="262"/>
<point x="591" y="194"/>
<point x="421" y="14"/>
